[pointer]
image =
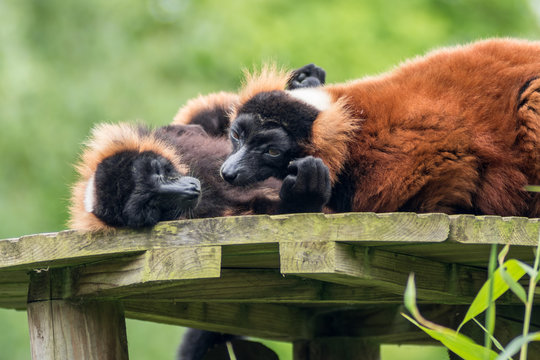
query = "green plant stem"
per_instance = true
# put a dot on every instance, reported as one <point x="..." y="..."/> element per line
<point x="490" y="312"/>
<point x="530" y="299"/>
<point x="230" y="350"/>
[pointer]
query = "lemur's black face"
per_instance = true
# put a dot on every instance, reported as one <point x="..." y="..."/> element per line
<point x="140" y="189"/>
<point x="266" y="136"/>
<point x="259" y="152"/>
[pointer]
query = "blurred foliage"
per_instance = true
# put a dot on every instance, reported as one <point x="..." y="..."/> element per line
<point x="66" y="65"/>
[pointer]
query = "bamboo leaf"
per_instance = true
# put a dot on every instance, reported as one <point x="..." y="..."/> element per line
<point x="503" y="253"/>
<point x="454" y="341"/>
<point x="410" y="296"/>
<point x="514" y="285"/>
<point x="513" y="347"/>
<point x="528" y="269"/>
<point x="458" y="343"/>
<point x="481" y="301"/>
<point x="532" y="188"/>
<point x="493" y="339"/>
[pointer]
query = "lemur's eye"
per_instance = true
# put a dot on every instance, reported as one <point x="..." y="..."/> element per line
<point x="235" y="135"/>
<point x="273" y="152"/>
<point x="156" y="167"/>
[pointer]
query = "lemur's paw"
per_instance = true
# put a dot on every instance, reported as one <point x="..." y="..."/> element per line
<point x="307" y="76"/>
<point x="307" y="188"/>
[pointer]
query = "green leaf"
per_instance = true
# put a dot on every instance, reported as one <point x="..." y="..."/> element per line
<point x="514" y="346"/>
<point x="454" y="341"/>
<point x="503" y="254"/>
<point x="481" y="301"/>
<point x="410" y="296"/>
<point x="458" y="343"/>
<point x="528" y="269"/>
<point x="514" y="285"/>
<point x="532" y="188"/>
<point x="493" y="339"/>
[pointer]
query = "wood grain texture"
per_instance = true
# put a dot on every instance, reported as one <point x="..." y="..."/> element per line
<point x="358" y="265"/>
<point x="64" y="330"/>
<point x="155" y="267"/>
<point x="460" y="253"/>
<point x="469" y="229"/>
<point x="13" y="289"/>
<point x="277" y="322"/>
<point x="257" y="286"/>
<point x="72" y="247"/>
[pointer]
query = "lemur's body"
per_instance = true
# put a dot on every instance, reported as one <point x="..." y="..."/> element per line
<point x="132" y="176"/>
<point x="457" y="131"/>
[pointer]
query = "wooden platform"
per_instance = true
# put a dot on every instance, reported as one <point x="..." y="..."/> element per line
<point x="320" y="281"/>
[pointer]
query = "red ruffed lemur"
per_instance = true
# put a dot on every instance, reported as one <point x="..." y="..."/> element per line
<point x="455" y="131"/>
<point x="132" y="176"/>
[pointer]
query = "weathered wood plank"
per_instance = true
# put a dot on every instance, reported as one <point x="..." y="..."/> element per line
<point x="254" y="256"/>
<point x="466" y="254"/>
<point x="469" y="229"/>
<point x="13" y="289"/>
<point x="277" y="322"/>
<point x="65" y="330"/>
<point x="70" y="247"/>
<point x="62" y="330"/>
<point x="246" y="286"/>
<point x="358" y="265"/>
<point x="155" y="266"/>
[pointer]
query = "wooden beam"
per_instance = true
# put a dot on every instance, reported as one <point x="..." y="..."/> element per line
<point x="357" y="265"/>
<point x="461" y="253"/>
<point x="72" y="247"/>
<point x="13" y="289"/>
<point x="253" y="256"/>
<point x="65" y="330"/>
<point x="277" y="322"/>
<point x="246" y="286"/>
<point x="469" y="229"/>
<point x="155" y="267"/>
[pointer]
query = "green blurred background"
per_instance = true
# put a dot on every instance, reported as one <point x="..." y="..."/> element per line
<point x="66" y="65"/>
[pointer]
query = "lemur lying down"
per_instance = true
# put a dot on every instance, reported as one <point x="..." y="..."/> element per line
<point x="133" y="176"/>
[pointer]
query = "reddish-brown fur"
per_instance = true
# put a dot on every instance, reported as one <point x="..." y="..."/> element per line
<point x="455" y="131"/>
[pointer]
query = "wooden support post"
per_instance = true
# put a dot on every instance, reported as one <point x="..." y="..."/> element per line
<point x="61" y="329"/>
<point x="337" y="348"/>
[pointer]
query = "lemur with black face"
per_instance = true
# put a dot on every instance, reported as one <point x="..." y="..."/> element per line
<point x="131" y="176"/>
<point x="456" y="131"/>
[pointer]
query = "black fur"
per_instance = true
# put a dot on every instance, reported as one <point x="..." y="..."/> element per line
<point x="139" y="189"/>
<point x="265" y="136"/>
<point x="306" y="187"/>
<point x="196" y="343"/>
<point x="215" y="121"/>
<point x="114" y="185"/>
<point x="307" y="76"/>
<point x="342" y="193"/>
<point x="277" y="108"/>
